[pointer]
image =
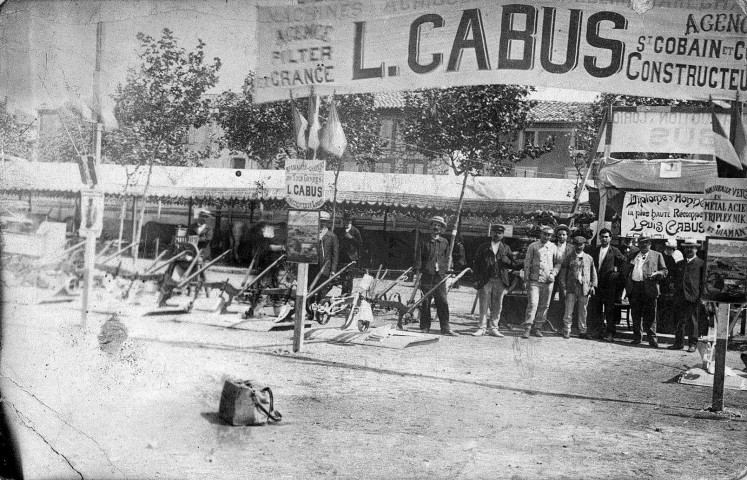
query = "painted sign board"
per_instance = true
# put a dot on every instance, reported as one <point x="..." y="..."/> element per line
<point x="684" y="50"/>
<point x="663" y="215"/>
<point x="304" y="183"/>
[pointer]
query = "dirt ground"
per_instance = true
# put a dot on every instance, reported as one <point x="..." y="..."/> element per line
<point x="462" y="407"/>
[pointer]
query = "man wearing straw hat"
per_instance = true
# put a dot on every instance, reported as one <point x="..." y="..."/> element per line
<point x="687" y="292"/>
<point x="431" y="261"/>
<point x="578" y="280"/>
<point x="645" y="271"/>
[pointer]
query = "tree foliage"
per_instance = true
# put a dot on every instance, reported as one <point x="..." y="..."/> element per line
<point x="264" y="132"/>
<point x="15" y="137"/>
<point x="65" y="135"/>
<point x="474" y="128"/>
<point x="159" y="102"/>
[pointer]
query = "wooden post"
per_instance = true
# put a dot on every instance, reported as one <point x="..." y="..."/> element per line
<point x="722" y="335"/>
<point x="303" y="277"/>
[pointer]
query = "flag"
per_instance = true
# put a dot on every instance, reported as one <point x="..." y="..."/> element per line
<point x="740" y="141"/>
<point x="723" y="150"/>
<point x="314" y="127"/>
<point x="333" y="139"/>
<point x="300" y="125"/>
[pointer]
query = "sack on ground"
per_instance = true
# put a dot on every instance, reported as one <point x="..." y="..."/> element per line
<point x="247" y="403"/>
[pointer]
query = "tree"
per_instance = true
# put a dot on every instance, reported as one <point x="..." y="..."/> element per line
<point x="14" y="135"/>
<point x="159" y="102"/>
<point x="264" y="132"/>
<point x="473" y="129"/>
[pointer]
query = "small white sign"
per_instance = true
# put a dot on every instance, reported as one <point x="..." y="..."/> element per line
<point x="304" y="183"/>
<point x="91" y="213"/>
<point x="671" y="169"/>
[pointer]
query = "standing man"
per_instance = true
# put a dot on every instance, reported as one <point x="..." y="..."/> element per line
<point x="328" y="249"/>
<point x="564" y="249"/>
<point x="350" y="246"/>
<point x="609" y="262"/>
<point x="672" y="257"/>
<point x="203" y="231"/>
<point x="493" y="261"/>
<point x="578" y="279"/>
<point x="431" y="261"/>
<point x="645" y="270"/>
<point x="541" y="265"/>
<point x="687" y="291"/>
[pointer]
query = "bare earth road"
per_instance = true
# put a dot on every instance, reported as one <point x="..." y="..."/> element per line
<point x="462" y="407"/>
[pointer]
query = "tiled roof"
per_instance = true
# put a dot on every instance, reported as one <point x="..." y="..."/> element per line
<point x="553" y="112"/>
<point x="549" y="112"/>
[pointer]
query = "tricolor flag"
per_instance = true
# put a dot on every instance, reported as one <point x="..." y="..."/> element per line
<point x="314" y="127"/>
<point x="300" y="125"/>
<point x="740" y="141"/>
<point x="333" y="138"/>
<point x="723" y="150"/>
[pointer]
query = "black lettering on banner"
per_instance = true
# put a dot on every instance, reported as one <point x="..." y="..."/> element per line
<point x="548" y="40"/>
<point x="471" y="21"/>
<point x="510" y="36"/>
<point x="616" y="47"/>
<point x="413" y="48"/>
<point x="360" y="72"/>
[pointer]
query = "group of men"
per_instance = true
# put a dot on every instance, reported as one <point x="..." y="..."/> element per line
<point x="577" y="272"/>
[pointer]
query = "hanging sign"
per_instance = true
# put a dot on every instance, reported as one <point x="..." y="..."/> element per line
<point x="304" y="183"/>
<point x="303" y="236"/>
<point x="685" y="50"/>
<point x="91" y="213"/>
<point x="663" y="215"/>
<point x="725" y="207"/>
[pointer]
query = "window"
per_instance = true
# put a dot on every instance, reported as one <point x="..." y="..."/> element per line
<point x="382" y="167"/>
<point x="387" y="132"/>
<point x="527" y="172"/>
<point x="530" y="137"/>
<point x="238" y="163"/>
<point x="414" y="168"/>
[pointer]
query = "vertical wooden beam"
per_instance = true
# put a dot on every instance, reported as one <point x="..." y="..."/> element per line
<point x="300" y="318"/>
<point x="722" y="336"/>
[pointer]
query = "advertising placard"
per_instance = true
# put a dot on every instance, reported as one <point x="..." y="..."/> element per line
<point x="304" y="182"/>
<point x="725" y="208"/>
<point x="658" y="130"/>
<point x="303" y="236"/>
<point x="91" y="213"/>
<point x="725" y="270"/>
<point x="685" y="50"/>
<point x="663" y="215"/>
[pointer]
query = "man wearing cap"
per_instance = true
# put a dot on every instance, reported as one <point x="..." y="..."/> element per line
<point x="328" y="251"/>
<point x="609" y="262"/>
<point x="687" y="291"/>
<point x="431" y="262"/>
<point x="493" y="261"/>
<point x="541" y="265"/>
<point x="578" y="279"/>
<point x="350" y="245"/>
<point x="203" y="231"/>
<point x="645" y="270"/>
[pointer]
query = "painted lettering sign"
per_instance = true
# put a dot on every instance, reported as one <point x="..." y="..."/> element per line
<point x="662" y="132"/>
<point x="304" y="183"/>
<point x="685" y="50"/>
<point x="663" y="215"/>
<point x="725" y="208"/>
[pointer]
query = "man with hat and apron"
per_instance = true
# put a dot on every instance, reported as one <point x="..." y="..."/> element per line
<point x="431" y="262"/>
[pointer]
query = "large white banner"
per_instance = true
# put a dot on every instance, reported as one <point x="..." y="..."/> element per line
<point x="663" y="215"/>
<point x="655" y="129"/>
<point x="679" y="49"/>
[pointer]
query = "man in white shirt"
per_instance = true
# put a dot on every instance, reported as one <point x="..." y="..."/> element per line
<point x="541" y="265"/>
<point x="610" y="263"/>
<point x="647" y="268"/>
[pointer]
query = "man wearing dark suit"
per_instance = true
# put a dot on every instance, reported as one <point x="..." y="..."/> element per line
<point x="645" y="270"/>
<point x="609" y="263"/>
<point x="687" y="291"/>
<point x="431" y="262"/>
<point x="493" y="261"/>
<point x="328" y="251"/>
<point x="350" y="245"/>
<point x="203" y="231"/>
